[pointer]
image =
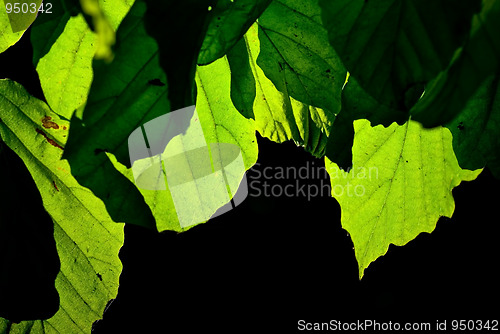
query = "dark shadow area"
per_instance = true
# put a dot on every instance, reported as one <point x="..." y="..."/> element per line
<point x="275" y="260"/>
<point x="29" y="262"/>
<point x="16" y="64"/>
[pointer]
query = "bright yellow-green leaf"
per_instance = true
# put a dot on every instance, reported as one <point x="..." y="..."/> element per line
<point x="7" y="37"/>
<point x="66" y="70"/>
<point x="87" y="239"/>
<point x="399" y="185"/>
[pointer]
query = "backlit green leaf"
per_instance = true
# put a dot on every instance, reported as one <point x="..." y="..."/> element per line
<point x="295" y="55"/>
<point x="229" y="21"/>
<point x="7" y="37"/>
<point x="21" y="18"/>
<point x="87" y="240"/>
<point x="356" y="104"/>
<point x="65" y="66"/>
<point x="221" y="123"/>
<point x="399" y="185"/>
<point x="66" y="70"/>
<point x="286" y="102"/>
<point x="47" y="28"/>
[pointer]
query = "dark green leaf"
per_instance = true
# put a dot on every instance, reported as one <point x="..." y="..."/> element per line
<point x="295" y="55"/>
<point x="394" y="47"/>
<point x="448" y="94"/>
<point x="179" y="28"/>
<point x="476" y="130"/>
<point x="229" y="22"/>
<point x="290" y="59"/>
<point x="243" y="91"/>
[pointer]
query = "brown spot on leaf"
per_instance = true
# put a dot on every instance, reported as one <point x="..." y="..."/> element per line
<point x="50" y="141"/>
<point x="55" y="186"/>
<point x="48" y="124"/>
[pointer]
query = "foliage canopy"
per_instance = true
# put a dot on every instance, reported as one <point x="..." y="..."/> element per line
<point x="408" y="88"/>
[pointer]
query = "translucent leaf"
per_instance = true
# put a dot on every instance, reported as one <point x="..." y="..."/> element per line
<point x="399" y="185"/>
<point x="87" y="240"/>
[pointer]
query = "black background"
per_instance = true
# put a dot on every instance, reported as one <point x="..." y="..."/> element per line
<point x="272" y="261"/>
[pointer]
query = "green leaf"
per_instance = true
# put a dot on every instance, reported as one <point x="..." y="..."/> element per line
<point x="221" y="123"/>
<point x="115" y="11"/>
<point x="22" y="20"/>
<point x="448" y="94"/>
<point x="476" y="129"/>
<point x="356" y="104"/>
<point x="65" y="72"/>
<point x="295" y="55"/>
<point x="47" y="28"/>
<point x="394" y="47"/>
<point x="229" y="22"/>
<point x="121" y="99"/>
<point x="7" y="37"/>
<point x="87" y="240"/>
<point x="243" y="85"/>
<point x="285" y="106"/>
<point x="179" y="28"/>
<point x="64" y="60"/>
<point x="126" y="94"/>
<point x="105" y="34"/>
<point x="399" y="185"/>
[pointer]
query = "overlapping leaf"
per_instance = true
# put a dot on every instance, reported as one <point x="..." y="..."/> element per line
<point x="7" y="37"/>
<point x="87" y="239"/>
<point x="229" y="22"/>
<point x="399" y="185"/>
<point x="394" y="47"/>
<point x="64" y="47"/>
<point x="47" y="28"/>
<point x="65" y="72"/>
<point x="221" y="123"/>
<point x="476" y="130"/>
<point x="121" y="99"/>
<point x="448" y="94"/>
<point x="179" y="28"/>
<point x="356" y="104"/>
<point x="20" y="19"/>
<point x="295" y="56"/>
<point x="296" y="75"/>
<point x="128" y="93"/>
